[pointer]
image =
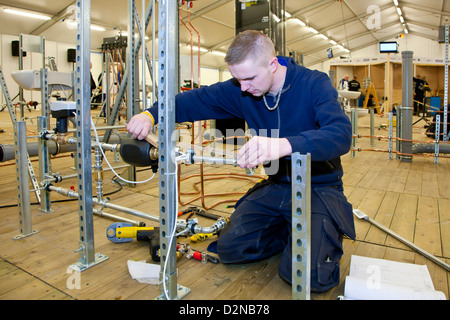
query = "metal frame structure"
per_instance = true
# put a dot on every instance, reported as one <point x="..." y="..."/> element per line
<point x="168" y="86"/>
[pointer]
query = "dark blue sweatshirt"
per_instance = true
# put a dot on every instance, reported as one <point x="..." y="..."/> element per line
<point x="308" y="115"/>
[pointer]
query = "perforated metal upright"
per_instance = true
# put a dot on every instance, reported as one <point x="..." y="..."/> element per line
<point x="44" y="156"/>
<point x="82" y="93"/>
<point x="133" y="75"/>
<point x="301" y="226"/>
<point x="407" y="106"/>
<point x="23" y="188"/>
<point x="23" y="164"/>
<point x="445" y="122"/>
<point x="168" y="84"/>
<point x="44" y="164"/>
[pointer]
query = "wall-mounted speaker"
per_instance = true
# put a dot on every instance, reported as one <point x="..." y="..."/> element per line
<point x="15" y="49"/>
<point x="71" y="55"/>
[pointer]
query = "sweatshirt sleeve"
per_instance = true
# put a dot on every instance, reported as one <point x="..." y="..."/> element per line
<point x="332" y="136"/>
<point x="217" y="101"/>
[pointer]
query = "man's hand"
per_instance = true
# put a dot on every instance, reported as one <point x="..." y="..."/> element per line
<point x="139" y="126"/>
<point x="261" y="149"/>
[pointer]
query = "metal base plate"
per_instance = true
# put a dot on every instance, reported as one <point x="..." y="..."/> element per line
<point x="21" y="236"/>
<point x="181" y="293"/>
<point x="80" y="266"/>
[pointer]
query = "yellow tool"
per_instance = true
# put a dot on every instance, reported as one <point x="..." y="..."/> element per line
<point x="201" y="236"/>
<point x="125" y="232"/>
<point x="130" y="232"/>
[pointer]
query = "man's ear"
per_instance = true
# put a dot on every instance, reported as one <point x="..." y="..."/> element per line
<point x="273" y="64"/>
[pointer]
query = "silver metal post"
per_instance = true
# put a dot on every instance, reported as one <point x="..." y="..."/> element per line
<point x="44" y="164"/>
<point x="407" y="103"/>
<point x="391" y="131"/>
<point x="106" y="85"/>
<point x="398" y="131"/>
<point x="88" y="257"/>
<point x="133" y="76"/>
<point x="23" y="192"/>
<point x="372" y="126"/>
<point x="45" y="95"/>
<point x="167" y="89"/>
<point x="44" y="156"/>
<point x="301" y="226"/>
<point x="22" y="115"/>
<point x="154" y="82"/>
<point x="143" y="53"/>
<point x="436" y="145"/>
<point x="445" y="136"/>
<point x="354" y="119"/>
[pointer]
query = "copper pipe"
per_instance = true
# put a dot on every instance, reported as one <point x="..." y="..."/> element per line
<point x="202" y="195"/>
<point x="198" y="44"/>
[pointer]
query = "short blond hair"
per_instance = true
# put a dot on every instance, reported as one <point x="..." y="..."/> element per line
<point x="249" y="43"/>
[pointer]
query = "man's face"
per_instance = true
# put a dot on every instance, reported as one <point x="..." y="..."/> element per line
<point x="254" y="77"/>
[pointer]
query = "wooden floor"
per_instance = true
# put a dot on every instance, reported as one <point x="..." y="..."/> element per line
<point x="413" y="199"/>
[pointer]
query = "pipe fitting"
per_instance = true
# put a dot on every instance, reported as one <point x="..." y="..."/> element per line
<point x="195" y="228"/>
<point x="61" y="138"/>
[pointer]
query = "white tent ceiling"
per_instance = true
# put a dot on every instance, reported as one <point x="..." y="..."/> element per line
<point x="354" y="24"/>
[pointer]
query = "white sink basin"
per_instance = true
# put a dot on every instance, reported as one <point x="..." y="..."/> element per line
<point x="349" y="94"/>
<point x="31" y="79"/>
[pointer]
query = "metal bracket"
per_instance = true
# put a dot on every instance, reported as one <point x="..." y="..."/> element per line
<point x="181" y="293"/>
<point x="83" y="263"/>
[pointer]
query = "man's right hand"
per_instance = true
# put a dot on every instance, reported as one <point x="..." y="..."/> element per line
<point x="140" y="126"/>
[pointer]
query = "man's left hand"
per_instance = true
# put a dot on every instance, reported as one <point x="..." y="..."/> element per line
<point x="261" y="149"/>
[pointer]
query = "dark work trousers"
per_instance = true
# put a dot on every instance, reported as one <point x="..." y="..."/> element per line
<point x="260" y="227"/>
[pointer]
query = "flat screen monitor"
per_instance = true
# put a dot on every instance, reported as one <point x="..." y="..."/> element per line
<point x="389" y="46"/>
<point x="330" y="53"/>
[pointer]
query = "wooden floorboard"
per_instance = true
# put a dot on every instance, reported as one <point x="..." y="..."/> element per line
<point x="412" y="199"/>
